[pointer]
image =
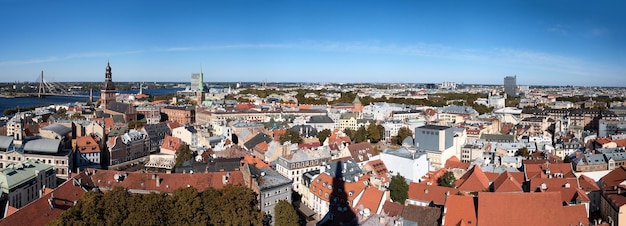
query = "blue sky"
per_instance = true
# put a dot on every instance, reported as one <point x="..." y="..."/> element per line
<point x="542" y="42"/>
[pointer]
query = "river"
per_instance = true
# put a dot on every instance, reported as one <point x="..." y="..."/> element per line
<point x="25" y="102"/>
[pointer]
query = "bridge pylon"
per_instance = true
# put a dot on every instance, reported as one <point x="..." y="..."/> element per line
<point x="41" y="85"/>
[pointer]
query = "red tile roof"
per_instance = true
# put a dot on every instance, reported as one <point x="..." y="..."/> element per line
<point x="552" y="184"/>
<point x="613" y="178"/>
<point x="379" y="169"/>
<point x="474" y="180"/>
<point x="433" y="176"/>
<point x="544" y="208"/>
<point x="587" y="184"/>
<point x="454" y="163"/>
<point x="372" y="199"/>
<point x="253" y="160"/>
<point x="430" y="193"/>
<point x="167" y="183"/>
<point x="459" y="210"/>
<point x="87" y="144"/>
<point x="535" y="169"/>
<point x="39" y="212"/>
<point x="361" y="152"/>
<point x="324" y="185"/>
<point x="507" y="182"/>
<point x="392" y="209"/>
<point x="171" y="143"/>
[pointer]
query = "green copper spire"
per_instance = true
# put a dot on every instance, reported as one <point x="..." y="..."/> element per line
<point x="201" y="83"/>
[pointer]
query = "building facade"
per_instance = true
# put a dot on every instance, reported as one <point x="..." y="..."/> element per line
<point x="24" y="182"/>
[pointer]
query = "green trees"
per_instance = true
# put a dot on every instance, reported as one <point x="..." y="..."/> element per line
<point x="291" y="136"/>
<point x="399" y="189"/>
<point x="183" y="154"/>
<point x="77" y="115"/>
<point x="285" y="214"/>
<point x="322" y="135"/>
<point x="523" y="152"/>
<point x="360" y="135"/>
<point x="447" y="180"/>
<point x="232" y="205"/>
<point x="373" y="133"/>
<point x="403" y="133"/>
<point x="62" y="113"/>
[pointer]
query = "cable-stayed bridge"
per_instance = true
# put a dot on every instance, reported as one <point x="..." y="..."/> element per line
<point x="46" y="88"/>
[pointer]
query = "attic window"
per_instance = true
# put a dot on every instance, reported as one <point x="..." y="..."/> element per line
<point x="351" y="193"/>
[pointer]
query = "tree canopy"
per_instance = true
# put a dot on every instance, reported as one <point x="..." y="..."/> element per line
<point x="403" y="133"/>
<point x="373" y="133"/>
<point x="447" y="180"/>
<point x="183" y="154"/>
<point x="285" y="214"/>
<point x="291" y="136"/>
<point x="399" y="189"/>
<point x="322" y="135"/>
<point x="231" y="205"/>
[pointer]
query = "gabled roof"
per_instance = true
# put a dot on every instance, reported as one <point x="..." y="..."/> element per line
<point x="320" y="119"/>
<point x="253" y="160"/>
<point x="379" y="169"/>
<point x="86" y="144"/>
<point x="454" y="163"/>
<point x="324" y="186"/>
<point x="587" y="184"/>
<point x="430" y="193"/>
<point x="118" y="107"/>
<point x="533" y="170"/>
<point x="422" y="215"/>
<point x="613" y="178"/>
<point x="506" y="182"/>
<point x="171" y="143"/>
<point x="535" y="208"/>
<point x="361" y="152"/>
<point x="552" y="184"/>
<point x="392" y="209"/>
<point x="459" y="210"/>
<point x="258" y="138"/>
<point x="474" y="180"/>
<point x="372" y="199"/>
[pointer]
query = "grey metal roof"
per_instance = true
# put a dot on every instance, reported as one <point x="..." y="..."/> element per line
<point x="260" y="137"/>
<point x="118" y="107"/>
<point x="595" y="159"/>
<point x="43" y="145"/>
<point x="58" y="128"/>
<point x="5" y="142"/>
<point x="320" y="119"/>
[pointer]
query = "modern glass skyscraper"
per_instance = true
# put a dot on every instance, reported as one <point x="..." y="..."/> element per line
<point x="510" y="85"/>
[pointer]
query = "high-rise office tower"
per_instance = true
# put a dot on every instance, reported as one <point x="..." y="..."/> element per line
<point x="510" y="85"/>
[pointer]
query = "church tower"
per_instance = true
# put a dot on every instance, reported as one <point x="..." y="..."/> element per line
<point x="200" y="92"/>
<point x="108" y="90"/>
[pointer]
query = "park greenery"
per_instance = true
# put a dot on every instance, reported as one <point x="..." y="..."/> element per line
<point x="434" y="100"/>
<point x="231" y="205"/>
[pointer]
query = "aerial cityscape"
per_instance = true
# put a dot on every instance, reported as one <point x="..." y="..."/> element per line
<point x="312" y="113"/>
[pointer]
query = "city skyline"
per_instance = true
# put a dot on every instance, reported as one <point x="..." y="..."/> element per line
<point x="543" y="43"/>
